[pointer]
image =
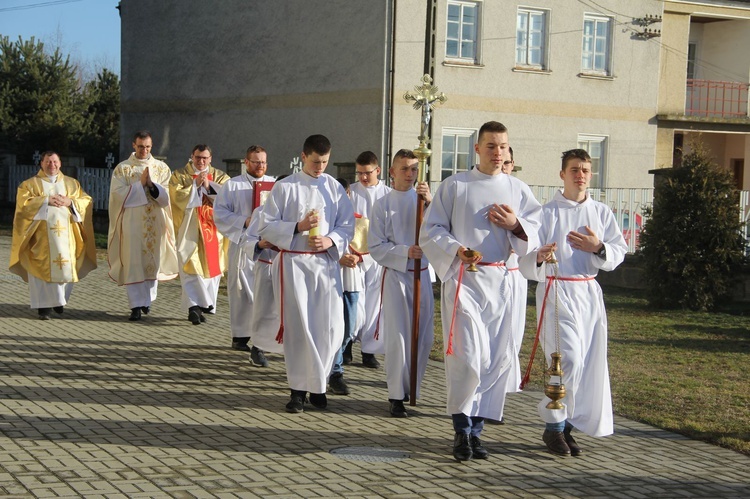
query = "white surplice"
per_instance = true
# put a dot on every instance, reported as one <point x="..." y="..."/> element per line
<point x="581" y="314"/>
<point x="311" y="289"/>
<point x="483" y="364"/>
<point x="392" y="230"/>
<point x="363" y="199"/>
<point x="232" y="207"/>
<point x="519" y="295"/>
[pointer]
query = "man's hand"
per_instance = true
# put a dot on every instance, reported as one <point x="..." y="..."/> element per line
<point x="202" y="179"/>
<point x="263" y="244"/>
<point x="146" y="179"/>
<point x="544" y="254"/>
<point x="310" y="221"/>
<point x="423" y="189"/>
<point x="59" y="200"/>
<point x="319" y="243"/>
<point x="349" y="260"/>
<point x="462" y="256"/>
<point x="584" y="242"/>
<point x="503" y="216"/>
<point x="415" y="252"/>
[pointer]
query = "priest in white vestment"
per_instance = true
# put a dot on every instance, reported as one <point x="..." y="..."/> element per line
<point x="53" y="236"/>
<point x="141" y="243"/>
<point x="363" y="195"/>
<point x="309" y="217"/>
<point x="492" y="213"/>
<point x="233" y="208"/>
<point x="585" y="237"/>
<point x="201" y="249"/>
<point x="392" y="244"/>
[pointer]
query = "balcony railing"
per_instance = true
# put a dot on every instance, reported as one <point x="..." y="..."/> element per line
<point x="716" y="99"/>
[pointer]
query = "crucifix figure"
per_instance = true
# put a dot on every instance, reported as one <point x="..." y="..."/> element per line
<point x="424" y="97"/>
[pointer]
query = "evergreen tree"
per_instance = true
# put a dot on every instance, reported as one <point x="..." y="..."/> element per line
<point x="102" y="110"/>
<point x="692" y="240"/>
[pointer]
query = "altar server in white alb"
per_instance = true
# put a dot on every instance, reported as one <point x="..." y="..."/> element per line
<point x="309" y="217"/>
<point x="489" y="212"/>
<point x="392" y="244"/>
<point x="233" y="208"/>
<point x="585" y="237"/>
<point x="363" y="195"/>
<point x="141" y="244"/>
<point x="53" y="236"/>
<point x="201" y="249"/>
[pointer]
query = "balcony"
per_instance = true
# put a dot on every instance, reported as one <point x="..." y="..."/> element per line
<point x="716" y="99"/>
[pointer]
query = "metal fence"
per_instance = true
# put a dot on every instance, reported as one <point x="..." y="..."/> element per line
<point x="95" y="181"/>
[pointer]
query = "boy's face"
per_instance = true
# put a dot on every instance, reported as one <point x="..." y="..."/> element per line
<point x="577" y="175"/>
<point x="315" y="164"/>
<point x="508" y="165"/>
<point x="404" y="172"/>
<point x="367" y="175"/>
<point x="492" y="149"/>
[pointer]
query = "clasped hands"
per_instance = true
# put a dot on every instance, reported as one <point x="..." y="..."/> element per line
<point x="60" y="200"/>
<point x="315" y="243"/>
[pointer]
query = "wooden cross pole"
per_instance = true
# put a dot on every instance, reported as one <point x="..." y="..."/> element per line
<point x="424" y="97"/>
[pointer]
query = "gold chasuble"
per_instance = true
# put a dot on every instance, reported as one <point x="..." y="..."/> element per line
<point x="58" y="249"/>
<point x="141" y="242"/>
<point x="201" y="248"/>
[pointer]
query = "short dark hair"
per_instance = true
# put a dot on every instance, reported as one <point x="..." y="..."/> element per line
<point x="367" y="158"/>
<point x="491" y="127"/>
<point x="510" y="150"/>
<point x="316" y="144"/>
<point x="344" y="183"/>
<point x="404" y="153"/>
<point x="574" y="154"/>
<point x="253" y="149"/>
<point x="48" y="153"/>
<point x="142" y="134"/>
<point x="281" y="177"/>
<point x="201" y="148"/>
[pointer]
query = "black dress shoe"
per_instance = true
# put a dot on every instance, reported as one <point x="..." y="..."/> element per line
<point x="319" y="400"/>
<point x="555" y="442"/>
<point x="462" y="447"/>
<point x="44" y="313"/>
<point x="58" y="310"/>
<point x="297" y="402"/>
<point x="135" y="314"/>
<point x="397" y="409"/>
<point x="240" y="344"/>
<point x="145" y="310"/>
<point x="575" y="450"/>
<point x="477" y="449"/>
<point x="337" y="385"/>
<point x="369" y="360"/>
<point x="194" y="315"/>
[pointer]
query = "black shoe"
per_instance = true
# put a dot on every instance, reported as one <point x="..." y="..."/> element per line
<point x="297" y="402"/>
<point x="240" y="344"/>
<point x="258" y="358"/>
<point x="575" y="449"/>
<point x="337" y="384"/>
<point x="477" y="449"/>
<point x="207" y="310"/>
<point x="462" y="447"/>
<point x="135" y="314"/>
<point x="44" y="313"/>
<point x="397" y="409"/>
<point x="348" y="353"/>
<point x="203" y="318"/>
<point x="145" y="310"/>
<point x="555" y="442"/>
<point x="319" y="400"/>
<point x="194" y="315"/>
<point x="369" y="360"/>
<point x="58" y="310"/>
<point x="406" y="398"/>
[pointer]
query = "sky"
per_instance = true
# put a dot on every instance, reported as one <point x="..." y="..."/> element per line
<point x="86" y="30"/>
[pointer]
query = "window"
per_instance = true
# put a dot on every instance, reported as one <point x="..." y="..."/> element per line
<point x="595" y="54"/>
<point x="461" y="40"/>
<point x="457" y="151"/>
<point x="691" y="60"/>
<point x="596" y="146"/>
<point x="531" y="38"/>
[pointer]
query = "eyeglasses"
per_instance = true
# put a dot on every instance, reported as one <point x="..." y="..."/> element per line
<point x="199" y="158"/>
<point x="257" y="163"/>
<point x="365" y="173"/>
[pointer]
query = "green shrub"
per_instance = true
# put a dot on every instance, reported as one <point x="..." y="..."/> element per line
<point x="691" y="241"/>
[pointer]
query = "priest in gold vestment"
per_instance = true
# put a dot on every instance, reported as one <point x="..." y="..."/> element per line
<point x="141" y="243"/>
<point x="201" y="249"/>
<point x="53" y="236"/>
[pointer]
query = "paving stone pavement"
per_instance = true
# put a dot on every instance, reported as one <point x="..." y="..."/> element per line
<point x="93" y="405"/>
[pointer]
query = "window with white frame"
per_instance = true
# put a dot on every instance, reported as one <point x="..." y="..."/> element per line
<point x="462" y="31"/>
<point x="597" y="44"/>
<point x="531" y="38"/>
<point x="457" y="153"/>
<point x="596" y="146"/>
